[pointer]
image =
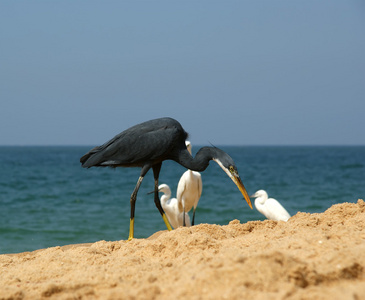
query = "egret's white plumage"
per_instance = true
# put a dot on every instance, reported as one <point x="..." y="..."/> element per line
<point x="189" y="189"/>
<point x="171" y="208"/>
<point x="270" y="207"/>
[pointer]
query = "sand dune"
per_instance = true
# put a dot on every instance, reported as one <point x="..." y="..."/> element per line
<point x="312" y="256"/>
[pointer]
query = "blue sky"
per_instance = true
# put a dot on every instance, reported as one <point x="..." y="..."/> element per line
<point x="232" y="72"/>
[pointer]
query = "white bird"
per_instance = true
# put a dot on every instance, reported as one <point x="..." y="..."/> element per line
<point x="270" y="207"/>
<point x="189" y="189"/>
<point x="171" y="208"/>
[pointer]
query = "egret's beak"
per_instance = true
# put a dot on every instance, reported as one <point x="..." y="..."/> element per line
<point x="238" y="182"/>
<point x="151" y="192"/>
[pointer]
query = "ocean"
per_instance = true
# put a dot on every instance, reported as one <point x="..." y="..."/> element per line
<point x="47" y="199"/>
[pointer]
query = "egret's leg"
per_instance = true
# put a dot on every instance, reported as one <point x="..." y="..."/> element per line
<point x="156" y="171"/>
<point x="184" y="223"/>
<point x="133" y="204"/>
<point x="192" y="223"/>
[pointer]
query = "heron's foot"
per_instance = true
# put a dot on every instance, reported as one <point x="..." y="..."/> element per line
<point x="169" y="228"/>
<point x="131" y="229"/>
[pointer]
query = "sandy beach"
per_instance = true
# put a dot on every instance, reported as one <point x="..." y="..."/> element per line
<point x="312" y="256"/>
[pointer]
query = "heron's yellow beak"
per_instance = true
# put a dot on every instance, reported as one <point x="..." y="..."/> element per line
<point x="241" y="187"/>
<point x="233" y="174"/>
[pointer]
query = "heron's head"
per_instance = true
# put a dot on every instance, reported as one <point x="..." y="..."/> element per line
<point x="228" y="166"/>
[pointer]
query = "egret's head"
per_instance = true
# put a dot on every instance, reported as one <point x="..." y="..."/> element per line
<point x="188" y="146"/>
<point x="259" y="193"/>
<point x="164" y="188"/>
<point x="228" y="166"/>
<point x="261" y="196"/>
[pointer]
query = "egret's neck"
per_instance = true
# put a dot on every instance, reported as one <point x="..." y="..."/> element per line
<point x="165" y="197"/>
<point x="261" y="200"/>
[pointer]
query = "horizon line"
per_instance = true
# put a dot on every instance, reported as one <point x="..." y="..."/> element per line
<point x="198" y="145"/>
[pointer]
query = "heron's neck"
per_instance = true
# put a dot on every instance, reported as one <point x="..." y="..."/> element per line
<point x="201" y="160"/>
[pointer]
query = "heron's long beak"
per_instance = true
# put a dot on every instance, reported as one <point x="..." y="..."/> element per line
<point x="237" y="180"/>
<point x="241" y="187"/>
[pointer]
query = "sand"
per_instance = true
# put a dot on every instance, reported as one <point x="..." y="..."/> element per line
<point x="312" y="256"/>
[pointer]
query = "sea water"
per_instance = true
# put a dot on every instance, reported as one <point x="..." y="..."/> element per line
<point x="47" y="199"/>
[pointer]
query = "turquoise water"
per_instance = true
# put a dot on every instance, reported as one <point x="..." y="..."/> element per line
<point x="47" y="199"/>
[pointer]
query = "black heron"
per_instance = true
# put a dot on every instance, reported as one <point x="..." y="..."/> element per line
<point x="147" y="145"/>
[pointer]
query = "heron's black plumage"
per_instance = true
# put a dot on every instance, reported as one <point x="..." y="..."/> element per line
<point x="150" y="143"/>
<point x="147" y="145"/>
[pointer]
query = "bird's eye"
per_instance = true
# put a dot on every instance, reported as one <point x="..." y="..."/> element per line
<point x="231" y="169"/>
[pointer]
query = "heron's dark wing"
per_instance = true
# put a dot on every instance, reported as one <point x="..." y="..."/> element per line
<point x="146" y="143"/>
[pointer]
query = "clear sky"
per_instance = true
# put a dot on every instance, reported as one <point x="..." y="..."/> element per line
<point x="232" y="72"/>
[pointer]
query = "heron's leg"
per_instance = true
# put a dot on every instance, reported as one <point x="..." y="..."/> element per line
<point x="133" y="204"/>
<point x="156" y="172"/>
<point x="192" y="223"/>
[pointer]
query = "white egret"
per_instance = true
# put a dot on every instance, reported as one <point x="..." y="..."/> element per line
<point x="270" y="207"/>
<point x="171" y="208"/>
<point x="189" y="189"/>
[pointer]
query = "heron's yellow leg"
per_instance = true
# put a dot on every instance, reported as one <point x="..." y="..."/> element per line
<point x="166" y="222"/>
<point x="131" y="229"/>
<point x="133" y="204"/>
